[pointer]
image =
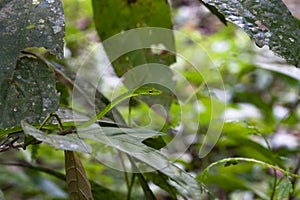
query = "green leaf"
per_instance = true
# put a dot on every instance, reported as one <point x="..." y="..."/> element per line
<point x="268" y="23"/>
<point x="138" y="47"/>
<point x="28" y="93"/>
<point x="115" y="16"/>
<point x="130" y="142"/>
<point x="78" y="184"/>
<point x="70" y="142"/>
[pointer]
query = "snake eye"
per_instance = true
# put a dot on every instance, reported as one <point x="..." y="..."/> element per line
<point x="150" y="91"/>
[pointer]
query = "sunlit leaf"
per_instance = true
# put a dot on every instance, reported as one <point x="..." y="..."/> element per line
<point x="268" y="23"/>
<point x="78" y="185"/>
<point x="70" y="142"/>
<point x="29" y="93"/>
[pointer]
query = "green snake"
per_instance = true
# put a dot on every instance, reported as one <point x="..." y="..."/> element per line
<point x="143" y="90"/>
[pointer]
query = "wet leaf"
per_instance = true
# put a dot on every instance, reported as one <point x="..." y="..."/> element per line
<point x="23" y="24"/>
<point x="130" y="142"/>
<point x="69" y="142"/>
<point x="29" y="93"/>
<point x="37" y="23"/>
<point x="268" y="23"/>
<point x="77" y="182"/>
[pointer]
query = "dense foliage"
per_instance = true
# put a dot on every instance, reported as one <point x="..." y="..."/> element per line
<point x="178" y="100"/>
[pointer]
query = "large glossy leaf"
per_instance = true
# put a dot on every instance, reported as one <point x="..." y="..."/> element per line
<point x="130" y="142"/>
<point x="267" y="22"/>
<point x="29" y="93"/>
<point x="116" y="16"/>
<point x="78" y="184"/>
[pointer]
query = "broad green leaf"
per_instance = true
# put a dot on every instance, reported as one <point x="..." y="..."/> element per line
<point x="28" y="93"/>
<point x="138" y="47"/>
<point x="268" y="23"/>
<point x="23" y="23"/>
<point x="70" y="142"/>
<point x="130" y="142"/>
<point x="77" y="182"/>
<point x="116" y="16"/>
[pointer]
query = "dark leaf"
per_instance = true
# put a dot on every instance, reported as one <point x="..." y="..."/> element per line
<point x="28" y="24"/>
<point x="268" y="23"/>
<point x="28" y="93"/>
<point x="213" y="10"/>
<point x="155" y="142"/>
